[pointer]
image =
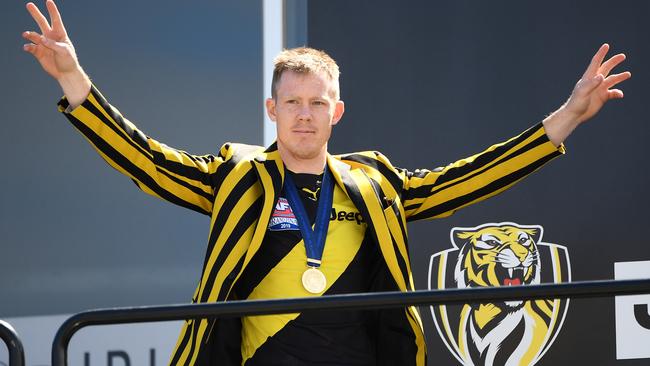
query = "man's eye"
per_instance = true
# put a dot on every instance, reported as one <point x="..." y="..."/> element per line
<point x="318" y="102"/>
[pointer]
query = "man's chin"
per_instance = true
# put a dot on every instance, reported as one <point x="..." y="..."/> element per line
<point x="306" y="155"/>
<point x="305" y="152"/>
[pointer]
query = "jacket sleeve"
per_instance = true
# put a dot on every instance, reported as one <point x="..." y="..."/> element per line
<point x="440" y="192"/>
<point x="166" y="173"/>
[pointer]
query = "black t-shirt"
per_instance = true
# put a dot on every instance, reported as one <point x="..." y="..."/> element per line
<point x="317" y="337"/>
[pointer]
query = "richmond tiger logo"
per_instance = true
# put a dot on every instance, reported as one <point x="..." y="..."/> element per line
<point x="511" y="333"/>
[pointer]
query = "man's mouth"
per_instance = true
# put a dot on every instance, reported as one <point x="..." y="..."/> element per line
<point x="304" y="131"/>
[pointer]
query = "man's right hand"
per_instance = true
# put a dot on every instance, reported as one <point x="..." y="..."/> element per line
<point x="55" y="52"/>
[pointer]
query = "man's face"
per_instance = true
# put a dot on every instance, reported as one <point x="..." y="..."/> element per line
<point x="304" y="111"/>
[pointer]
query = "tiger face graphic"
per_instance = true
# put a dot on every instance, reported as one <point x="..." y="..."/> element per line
<point x="497" y="256"/>
<point x="511" y="333"/>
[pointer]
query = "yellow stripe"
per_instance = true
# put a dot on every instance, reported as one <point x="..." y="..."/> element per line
<point x="174" y="156"/>
<point x="383" y="234"/>
<point x="391" y="220"/>
<point x="231" y="222"/>
<point x="269" y="203"/>
<point x="187" y="327"/>
<point x="420" y="357"/>
<point x="234" y="176"/>
<point x="139" y="156"/>
<point x="231" y="261"/>
<point x="344" y="239"/>
<point x="415" y="181"/>
<point x="488" y="177"/>
<point x="197" y="341"/>
<point x="96" y="104"/>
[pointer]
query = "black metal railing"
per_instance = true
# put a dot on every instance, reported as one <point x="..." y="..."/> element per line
<point x="14" y="345"/>
<point x="340" y="302"/>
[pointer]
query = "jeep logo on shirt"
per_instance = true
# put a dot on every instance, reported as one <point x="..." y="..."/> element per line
<point x="346" y="216"/>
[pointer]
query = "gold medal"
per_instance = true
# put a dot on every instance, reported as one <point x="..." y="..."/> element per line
<point x="314" y="281"/>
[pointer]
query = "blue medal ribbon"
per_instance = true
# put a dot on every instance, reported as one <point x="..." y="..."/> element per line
<point x="314" y="239"/>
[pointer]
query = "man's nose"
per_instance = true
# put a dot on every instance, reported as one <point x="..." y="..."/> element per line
<point x="304" y="112"/>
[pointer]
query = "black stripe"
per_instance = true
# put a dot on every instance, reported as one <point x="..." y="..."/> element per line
<point x="181" y="346"/>
<point x="138" y="140"/>
<point x="492" y="187"/>
<point x="427" y="190"/>
<point x="383" y="169"/>
<point x="242" y="151"/>
<point x="194" y="330"/>
<point x="194" y="189"/>
<point x="402" y="228"/>
<point x="135" y="138"/>
<point x="251" y="214"/>
<point x="244" y="183"/>
<point x="226" y="147"/>
<point x="143" y="146"/>
<point x="180" y="168"/>
<point x="486" y="158"/>
<point x="226" y="285"/>
<point x="219" y="176"/>
<point x="263" y="264"/>
<point x="400" y="260"/>
<point x="355" y="195"/>
<point x="247" y="219"/>
<point x="348" y="282"/>
<point x="134" y="170"/>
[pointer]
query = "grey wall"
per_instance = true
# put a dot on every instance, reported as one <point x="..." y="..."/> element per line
<point x="75" y="234"/>
<point x="429" y="82"/>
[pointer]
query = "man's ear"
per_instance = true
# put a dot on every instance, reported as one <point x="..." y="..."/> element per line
<point x="339" y="109"/>
<point x="270" y="109"/>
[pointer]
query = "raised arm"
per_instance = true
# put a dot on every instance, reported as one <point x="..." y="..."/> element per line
<point x="173" y="175"/>
<point x="589" y="95"/>
<point x="56" y="54"/>
<point x="442" y="191"/>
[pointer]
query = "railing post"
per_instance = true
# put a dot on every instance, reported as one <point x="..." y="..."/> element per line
<point x="14" y="345"/>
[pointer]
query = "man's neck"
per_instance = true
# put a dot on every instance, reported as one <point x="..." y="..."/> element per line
<point x="314" y="165"/>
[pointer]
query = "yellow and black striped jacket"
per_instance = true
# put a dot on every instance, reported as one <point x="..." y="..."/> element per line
<point x="239" y="187"/>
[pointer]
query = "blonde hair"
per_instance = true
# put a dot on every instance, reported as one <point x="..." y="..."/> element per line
<point x="305" y="60"/>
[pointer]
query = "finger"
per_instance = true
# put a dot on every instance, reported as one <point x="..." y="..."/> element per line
<point x="596" y="61"/>
<point x="57" y="47"/>
<point x="586" y="86"/>
<point x="51" y="44"/>
<point x="616" y="78"/>
<point x="615" y="94"/>
<point x="38" y="17"/>
<point x="608" y="65"/>
<point x="32" y="37"/>
<point x="55" y="16"/>
<point x="29" y="47"/>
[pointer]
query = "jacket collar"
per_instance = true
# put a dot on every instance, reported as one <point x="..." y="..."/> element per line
<point x="355" y="183"/>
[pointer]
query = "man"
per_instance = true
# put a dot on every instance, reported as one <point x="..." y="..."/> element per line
<point x="264" y="202"/>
